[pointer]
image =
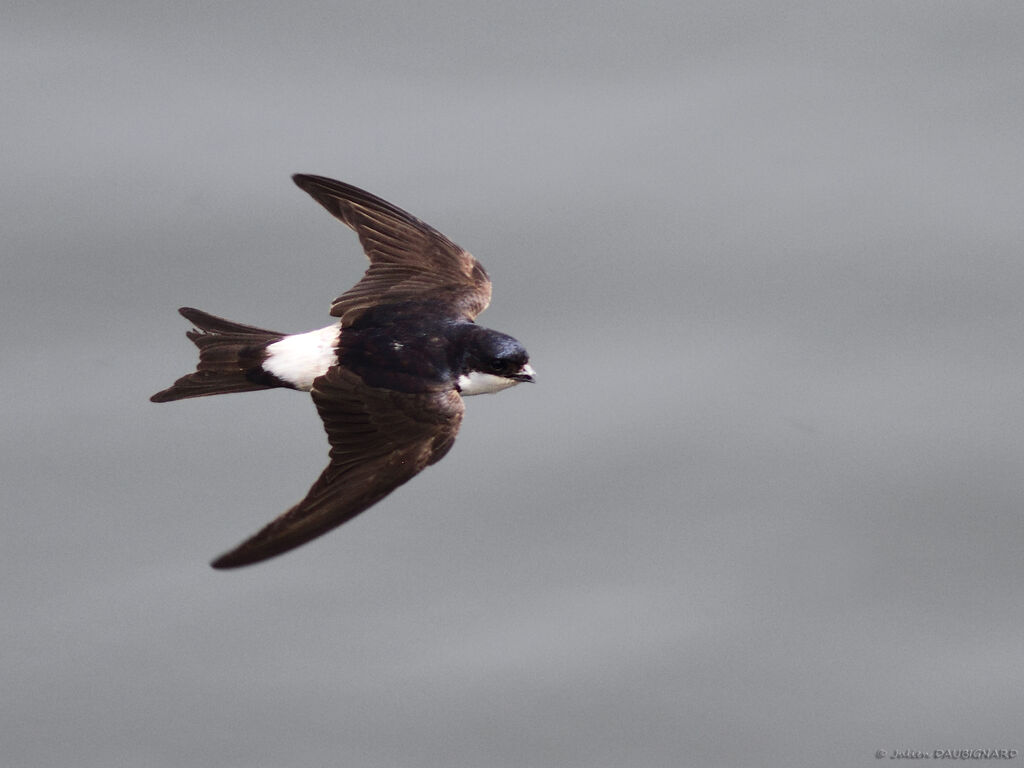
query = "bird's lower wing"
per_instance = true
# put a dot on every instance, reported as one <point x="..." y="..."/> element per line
<point x="379" y="439"/>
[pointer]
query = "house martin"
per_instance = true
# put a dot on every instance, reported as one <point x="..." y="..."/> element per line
<point x="387" y="378"/>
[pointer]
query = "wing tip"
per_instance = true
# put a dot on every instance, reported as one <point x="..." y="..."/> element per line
<point x="251" y="551"/>
<point x="242" y="555"/>
<point x="228" y="561"/>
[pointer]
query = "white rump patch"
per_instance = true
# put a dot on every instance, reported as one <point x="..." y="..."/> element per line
<point x="302" y="357"/>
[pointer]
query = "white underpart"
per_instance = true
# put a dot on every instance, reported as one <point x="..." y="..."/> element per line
<point x="478" y="383"/>
<point x="301" y="357"/>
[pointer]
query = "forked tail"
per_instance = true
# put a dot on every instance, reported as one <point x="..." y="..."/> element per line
<point x="230" y="358"/>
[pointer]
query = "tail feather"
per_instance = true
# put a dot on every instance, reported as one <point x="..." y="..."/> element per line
<point x="230" y="358"/>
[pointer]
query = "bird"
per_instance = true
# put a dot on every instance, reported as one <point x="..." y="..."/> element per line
<point x="388" y="377"/>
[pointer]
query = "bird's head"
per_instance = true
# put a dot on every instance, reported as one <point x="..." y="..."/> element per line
<point x="492" y="361"/>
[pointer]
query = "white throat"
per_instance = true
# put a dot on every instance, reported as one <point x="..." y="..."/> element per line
<point x="477" y="383"/>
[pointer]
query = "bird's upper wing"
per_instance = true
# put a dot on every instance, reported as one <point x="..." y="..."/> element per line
<point x="408" y="258"/>
<point x="379" y="439"/>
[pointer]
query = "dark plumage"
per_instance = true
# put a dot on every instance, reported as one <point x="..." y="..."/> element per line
<point x="387" y="379"/>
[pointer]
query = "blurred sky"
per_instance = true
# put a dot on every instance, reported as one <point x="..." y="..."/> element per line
<point x="764" y="506"/>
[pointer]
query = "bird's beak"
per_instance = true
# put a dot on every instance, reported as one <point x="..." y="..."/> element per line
<point x="525" y="374"/>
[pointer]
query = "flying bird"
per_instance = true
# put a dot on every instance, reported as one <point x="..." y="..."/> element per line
<point x="387" y="378"/>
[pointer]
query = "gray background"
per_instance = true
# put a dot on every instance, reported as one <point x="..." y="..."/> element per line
<point x="763" y="506"/>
